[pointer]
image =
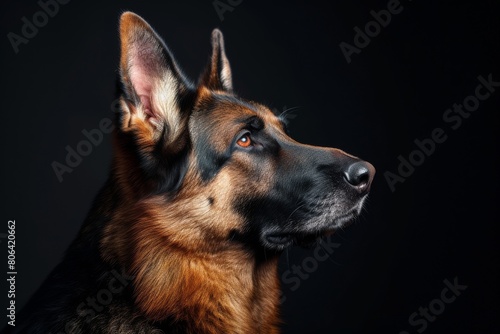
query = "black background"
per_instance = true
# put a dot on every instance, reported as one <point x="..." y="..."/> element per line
<point x="439" y="224"/>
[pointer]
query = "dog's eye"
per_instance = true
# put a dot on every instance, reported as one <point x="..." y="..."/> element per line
<point x="245" y="140"/>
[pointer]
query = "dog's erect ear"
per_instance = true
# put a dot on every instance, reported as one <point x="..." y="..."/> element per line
<point x="217" y="75"/>
<point x="152" y="81"/>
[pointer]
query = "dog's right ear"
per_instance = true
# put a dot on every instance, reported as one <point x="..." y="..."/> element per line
<point x="152" y="82"/>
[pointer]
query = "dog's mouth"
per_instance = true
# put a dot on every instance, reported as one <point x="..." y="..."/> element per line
<point x="280" y="240"/>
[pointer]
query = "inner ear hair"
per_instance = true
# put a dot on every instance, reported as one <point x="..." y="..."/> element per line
<point x="150" y="76"/>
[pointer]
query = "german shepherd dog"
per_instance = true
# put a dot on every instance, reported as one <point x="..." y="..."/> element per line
<point x="206" y="190"/>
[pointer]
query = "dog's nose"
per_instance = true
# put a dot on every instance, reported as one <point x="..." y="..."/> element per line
<point x="360" y="175"/>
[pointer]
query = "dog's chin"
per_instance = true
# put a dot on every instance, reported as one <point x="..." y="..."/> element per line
<point x="313" y="230"/>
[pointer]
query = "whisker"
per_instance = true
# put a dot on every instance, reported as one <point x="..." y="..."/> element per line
<point x="297" y="208"/>
<point x="285" y="115"/>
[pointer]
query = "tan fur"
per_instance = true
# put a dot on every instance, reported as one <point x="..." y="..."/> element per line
<point x="185" y="266"/>
<point x="178" y="249"/>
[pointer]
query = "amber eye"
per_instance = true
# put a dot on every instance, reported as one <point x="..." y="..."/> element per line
<point x="244" y="141"/>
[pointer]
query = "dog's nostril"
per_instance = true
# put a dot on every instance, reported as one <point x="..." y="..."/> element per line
<point x="360" y="175"/>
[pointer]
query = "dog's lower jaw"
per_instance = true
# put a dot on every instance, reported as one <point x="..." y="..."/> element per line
<point x="312" y="229"/>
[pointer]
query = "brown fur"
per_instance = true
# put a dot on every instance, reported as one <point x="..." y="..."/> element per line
<point x="216" y="286"/>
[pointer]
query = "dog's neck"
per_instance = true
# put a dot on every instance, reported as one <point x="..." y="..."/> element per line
<point x="216" y="294"/>
<point x="223" y="290"/>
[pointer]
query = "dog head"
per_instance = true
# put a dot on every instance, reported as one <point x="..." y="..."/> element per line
<point x="216" y="166"/>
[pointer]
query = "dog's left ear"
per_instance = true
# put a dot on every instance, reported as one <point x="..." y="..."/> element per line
<point x="217" y="75"/>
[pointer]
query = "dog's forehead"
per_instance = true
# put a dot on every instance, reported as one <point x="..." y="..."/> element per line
<point x="226" y="110"/>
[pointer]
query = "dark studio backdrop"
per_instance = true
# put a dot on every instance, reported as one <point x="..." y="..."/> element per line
<point x="427" y="236"/>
